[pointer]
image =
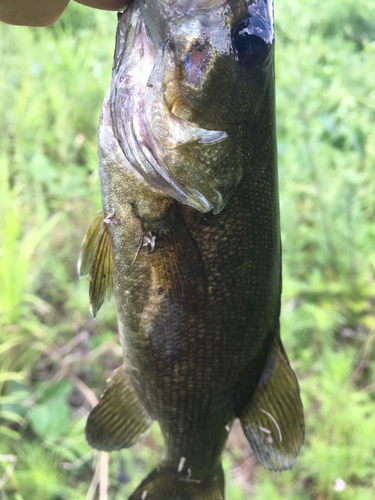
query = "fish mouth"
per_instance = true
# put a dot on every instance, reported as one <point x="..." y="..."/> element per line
<point x="148" y="132"/>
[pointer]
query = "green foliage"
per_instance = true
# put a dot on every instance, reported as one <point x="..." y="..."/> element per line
<point x="40" y="475"/>
<point x="333" y="140"/>
<point x="52" y="83"/>
<point x="48" y="193"/>
<point x="50" y="418"/>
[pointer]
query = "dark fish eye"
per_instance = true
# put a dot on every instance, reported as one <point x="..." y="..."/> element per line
<point x="252" y="41"/>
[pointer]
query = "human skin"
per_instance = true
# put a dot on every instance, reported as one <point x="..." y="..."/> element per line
<point x="41" y="13"/>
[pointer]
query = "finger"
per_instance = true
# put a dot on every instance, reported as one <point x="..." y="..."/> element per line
<point x="106" y="4"/>
<point x="31" y="12"/>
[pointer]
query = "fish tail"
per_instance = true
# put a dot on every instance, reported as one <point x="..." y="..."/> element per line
<point x="165" y="484"/>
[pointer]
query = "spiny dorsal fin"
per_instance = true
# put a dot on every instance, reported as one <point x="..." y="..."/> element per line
<point x="88" y="245"/>
<point x="119" y="420"/>
<point x="101" y="272"/>
<point x="273" y="420"/>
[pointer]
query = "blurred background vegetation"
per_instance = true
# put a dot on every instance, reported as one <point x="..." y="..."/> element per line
<point x="54" y="358"/>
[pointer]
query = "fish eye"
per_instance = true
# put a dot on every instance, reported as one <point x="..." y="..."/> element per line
<point x="252" y="41"/>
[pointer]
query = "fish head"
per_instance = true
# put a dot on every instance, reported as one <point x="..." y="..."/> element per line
<point x="193" y="86"/>
<point x="216" y="57"/>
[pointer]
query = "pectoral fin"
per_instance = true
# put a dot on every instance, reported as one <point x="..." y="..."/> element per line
<point x="273" y="420"/>
<point x="88" y="245"/>
<point x="96" y="261"/>
<point x="119" y="420"/>
<point x="177" y="261"/>
<point x="101" y="272"/>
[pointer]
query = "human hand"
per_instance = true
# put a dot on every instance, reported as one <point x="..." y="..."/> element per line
<point x="45" y="12"/>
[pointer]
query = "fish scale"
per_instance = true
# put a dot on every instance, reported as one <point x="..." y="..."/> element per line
<point x="190" y="239"/>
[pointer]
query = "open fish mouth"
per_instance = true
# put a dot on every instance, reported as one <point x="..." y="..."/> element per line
<point x="147" y="130"/>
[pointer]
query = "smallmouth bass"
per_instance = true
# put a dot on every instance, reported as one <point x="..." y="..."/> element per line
<point x="188" y="242"/>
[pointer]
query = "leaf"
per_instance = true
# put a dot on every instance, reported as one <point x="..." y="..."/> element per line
<point x="5" y="376"/>
<point x="62" y="390"/>
<point x="9" y="344"/>
<point x="50" y="420"/>
<point x="12" y="416"/>
<point x="6" y="431"/>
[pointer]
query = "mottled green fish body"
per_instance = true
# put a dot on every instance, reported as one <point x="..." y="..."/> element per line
<point x="189" y="243"/>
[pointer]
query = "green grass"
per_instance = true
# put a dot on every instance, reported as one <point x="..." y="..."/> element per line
<point x="54" y="358"/>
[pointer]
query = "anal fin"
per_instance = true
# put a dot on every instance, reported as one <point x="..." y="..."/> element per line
<point x="273" y="420"/>
<point x="119" y="420"/>
<point x="88" y="245"/>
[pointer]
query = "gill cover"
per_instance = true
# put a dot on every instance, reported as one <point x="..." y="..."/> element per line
<point x="143" y="138"/>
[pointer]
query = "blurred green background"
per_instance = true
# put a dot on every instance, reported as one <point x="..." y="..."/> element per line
<point x="54" y="358"/>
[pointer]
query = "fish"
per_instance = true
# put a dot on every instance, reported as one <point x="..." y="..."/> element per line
<point x="188" y="244"/>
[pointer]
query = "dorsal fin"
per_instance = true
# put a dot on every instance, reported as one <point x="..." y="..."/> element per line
<point x="119" y="420"/>
<point x="273" y="420"/>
